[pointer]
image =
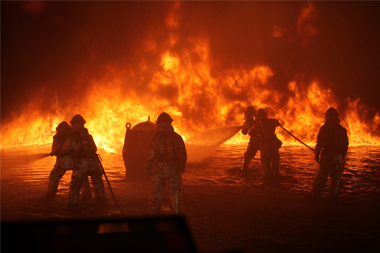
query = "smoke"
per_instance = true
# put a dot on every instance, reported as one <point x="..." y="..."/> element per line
<point x="53" y="53"/>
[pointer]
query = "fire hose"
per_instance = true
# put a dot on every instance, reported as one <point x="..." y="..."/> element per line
<point x="297" y="138"/>
<point x="349" y="170"/>
<point x="108" y="183"/>
<point x="39" y="156"/>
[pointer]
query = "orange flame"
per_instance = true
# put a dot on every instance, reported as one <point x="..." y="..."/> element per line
<point x="197" y="98"/>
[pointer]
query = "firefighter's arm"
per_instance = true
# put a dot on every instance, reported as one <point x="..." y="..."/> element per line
<point x="317" y="152"/>
<point x="346" y="143"/>
<point x="93" y="145"/>
<point x="53" y="148"/>
<point x="150" y="160"/>
<point x="183" y="156"/>
<point x="65" y="149"/>
<point x="245" y="129"/>
<point x="319" y="145"/>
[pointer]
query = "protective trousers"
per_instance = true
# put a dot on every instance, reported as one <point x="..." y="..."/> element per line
<point x="270" y="162"/>
<point x="55" y="176"/>
<point x="155" y="200"/>
<point x="335" y="170"/>
<point x="83" y="169"/>
<point x="249" y="154"/>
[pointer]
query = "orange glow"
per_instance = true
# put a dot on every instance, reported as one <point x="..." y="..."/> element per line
<point x="360" y="133"/>
<point x="106" y="110"/>
<point x="170" y="63"/>
<point x="196" y="97"/>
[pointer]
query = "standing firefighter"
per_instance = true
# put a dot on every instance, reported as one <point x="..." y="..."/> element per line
<point x="63" y="162"/>
<point x="269" y="145"/>
<point x="81" y="147"/>
<point x="253" y="145"/>
<point x="330" y="151"/>
<point x="166" y="163"/>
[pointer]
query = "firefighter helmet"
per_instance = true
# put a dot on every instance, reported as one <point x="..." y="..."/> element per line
<point x="164" y="117"/>
<point x="78" y="119"/>
<point x="331" y="112"/>
<point x="261" y="113"/>
<point x="250" y="111"/>
<point x="63" y="126"/>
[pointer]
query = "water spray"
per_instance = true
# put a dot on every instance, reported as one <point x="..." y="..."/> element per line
<point x="29" y="159"/>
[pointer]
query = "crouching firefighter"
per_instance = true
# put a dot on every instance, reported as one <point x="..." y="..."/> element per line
<point x="330" y="151"/>
<point x="166" y="163"/>
<point x="81" y="147"/>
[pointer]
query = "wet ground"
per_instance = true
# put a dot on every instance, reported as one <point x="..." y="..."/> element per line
<point x="224" y="209"/>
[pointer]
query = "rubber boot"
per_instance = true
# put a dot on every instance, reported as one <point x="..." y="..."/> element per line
<point x="154" y="205"/>
<point x="52" y="189"/>
<point x="99" y="189"/>
<point x="74" y="196"/>
<point x="174" y="202"/>
<point x="245" y="166"/>
<point x="86" y="190"/>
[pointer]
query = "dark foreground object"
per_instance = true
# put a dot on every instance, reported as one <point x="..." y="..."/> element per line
<point x="164" y="234"/>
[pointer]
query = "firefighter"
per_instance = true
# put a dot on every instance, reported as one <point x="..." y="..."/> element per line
<point x="81" y="147"/>
<point x="166" y="163"/>
<point x="63" y="162"/>
<point x="253" y="145"/>
<point x="330" y="151"/>
<point x="269" y="145"/>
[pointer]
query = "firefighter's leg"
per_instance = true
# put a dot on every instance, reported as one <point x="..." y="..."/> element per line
<point x="175" y="194"/>
<point x="77" y="179"/>
<point x="155" y="198"/>
<point x="98" y="183"/>
<point x="336" y="175"/>
<point x="320" y="180"/>
<point x="86" y="189"/>
<point x="55" y="175"/>
<point x="275" y="168"/>
<point x="246" y="160"/>
<point x="265" y="164"/>
<point x="248" y="156"/>
<point x="74" y="176"/>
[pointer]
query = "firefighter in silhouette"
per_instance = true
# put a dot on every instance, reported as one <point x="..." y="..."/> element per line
<point x="81" y="147"/>
<point x="166" y="163"/>
<point x="269" y="145"/>
<point x="330" y="151"/>
<point x="253" y="145"/>
<point x="63" y="162"/>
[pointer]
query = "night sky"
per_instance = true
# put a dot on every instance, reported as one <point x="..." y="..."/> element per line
<point x="56" y="47"/>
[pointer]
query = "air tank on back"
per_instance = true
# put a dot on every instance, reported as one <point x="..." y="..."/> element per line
<point x="135" y="149"/>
